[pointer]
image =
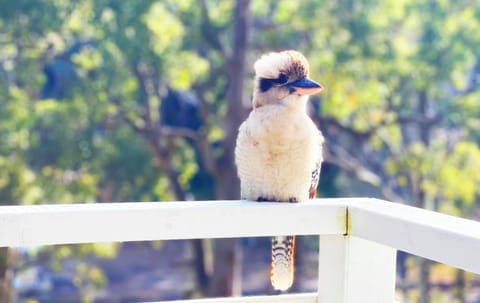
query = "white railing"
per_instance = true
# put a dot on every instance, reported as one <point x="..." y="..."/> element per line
<point x="358" y="237"/>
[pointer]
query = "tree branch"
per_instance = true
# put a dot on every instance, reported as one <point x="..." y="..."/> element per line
<point x="338" y="156"/>
<point x="162" y="156"/>
<point x="473" y="80"/>
<point x="209" y="30"/>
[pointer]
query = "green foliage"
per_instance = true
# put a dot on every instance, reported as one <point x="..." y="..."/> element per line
<point x="379" y="61"/>
<point x="376" y="60"/>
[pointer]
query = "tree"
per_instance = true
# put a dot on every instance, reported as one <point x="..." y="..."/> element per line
<point x="401" y="82"/>
<point x="94" y="95"/>
<point x="142" y="50"/>
<point x="396" y="77"/>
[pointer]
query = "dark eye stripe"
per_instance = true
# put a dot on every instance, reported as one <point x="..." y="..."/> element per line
<point x="281" y="79"/>
<point x="266" y="84"/>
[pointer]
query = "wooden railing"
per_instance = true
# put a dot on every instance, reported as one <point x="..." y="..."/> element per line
<point x="358" y="236"/>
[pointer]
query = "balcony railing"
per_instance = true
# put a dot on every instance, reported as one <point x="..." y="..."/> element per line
<point x="358" y="237"/>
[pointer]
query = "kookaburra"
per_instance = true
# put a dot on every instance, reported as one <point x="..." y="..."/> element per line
<point x="279" y="148"/>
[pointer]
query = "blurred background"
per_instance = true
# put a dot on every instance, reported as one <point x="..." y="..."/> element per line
<point x="111" y="101"/>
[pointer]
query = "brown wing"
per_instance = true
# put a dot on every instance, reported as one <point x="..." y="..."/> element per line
<point x="312" y="191"/>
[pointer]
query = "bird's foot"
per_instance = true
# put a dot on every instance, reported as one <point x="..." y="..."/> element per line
<point x="263" y="199"/>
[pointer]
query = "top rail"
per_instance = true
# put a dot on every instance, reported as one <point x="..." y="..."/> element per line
<point x="439" y="237"/>
<point x="435" y="236"/>
<point x="141" y="221"/>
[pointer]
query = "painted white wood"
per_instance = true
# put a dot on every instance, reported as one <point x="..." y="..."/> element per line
<point x="332" y="268"/>
<point x="442" y="238"/>
<point x="288" y="298"/>
<point x="353" y="270"/>
<point x="110" y="222"/>
<point x="295" y="298"/>
<point x="350" y="266"/>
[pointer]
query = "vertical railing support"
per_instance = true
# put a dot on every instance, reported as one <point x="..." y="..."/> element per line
<point x="353" y="270"/>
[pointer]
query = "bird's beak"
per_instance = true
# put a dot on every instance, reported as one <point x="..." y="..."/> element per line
<point x="305" y="86"/>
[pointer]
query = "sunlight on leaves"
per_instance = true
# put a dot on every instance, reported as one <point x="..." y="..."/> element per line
<point x="185" y="69"/>
<point x="166" y="29"/>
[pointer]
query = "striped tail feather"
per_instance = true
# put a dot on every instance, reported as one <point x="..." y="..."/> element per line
<point x="283" y="262"/>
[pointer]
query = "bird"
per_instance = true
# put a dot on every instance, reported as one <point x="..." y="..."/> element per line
<point x="278" y="152"/>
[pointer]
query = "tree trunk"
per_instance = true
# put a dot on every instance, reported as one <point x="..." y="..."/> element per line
<point x="4" y="276"/>
<point x="226" y="269"/>
<point x="226" y="279"/>
<point x="461" y="286"/>
<point x="201" y="275"/>
<point x="425" y="132"/>
<point x="424" y="280"/>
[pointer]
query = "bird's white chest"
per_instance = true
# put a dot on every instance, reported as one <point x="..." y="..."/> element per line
<point x="276" y="153"/>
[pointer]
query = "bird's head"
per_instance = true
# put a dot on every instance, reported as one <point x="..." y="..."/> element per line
<point x="282" y="78"/>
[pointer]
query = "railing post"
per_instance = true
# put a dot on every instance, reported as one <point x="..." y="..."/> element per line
<point x="353" y="270"/>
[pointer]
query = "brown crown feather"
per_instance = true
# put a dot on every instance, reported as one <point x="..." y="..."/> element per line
<point x="298" y="67"/>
